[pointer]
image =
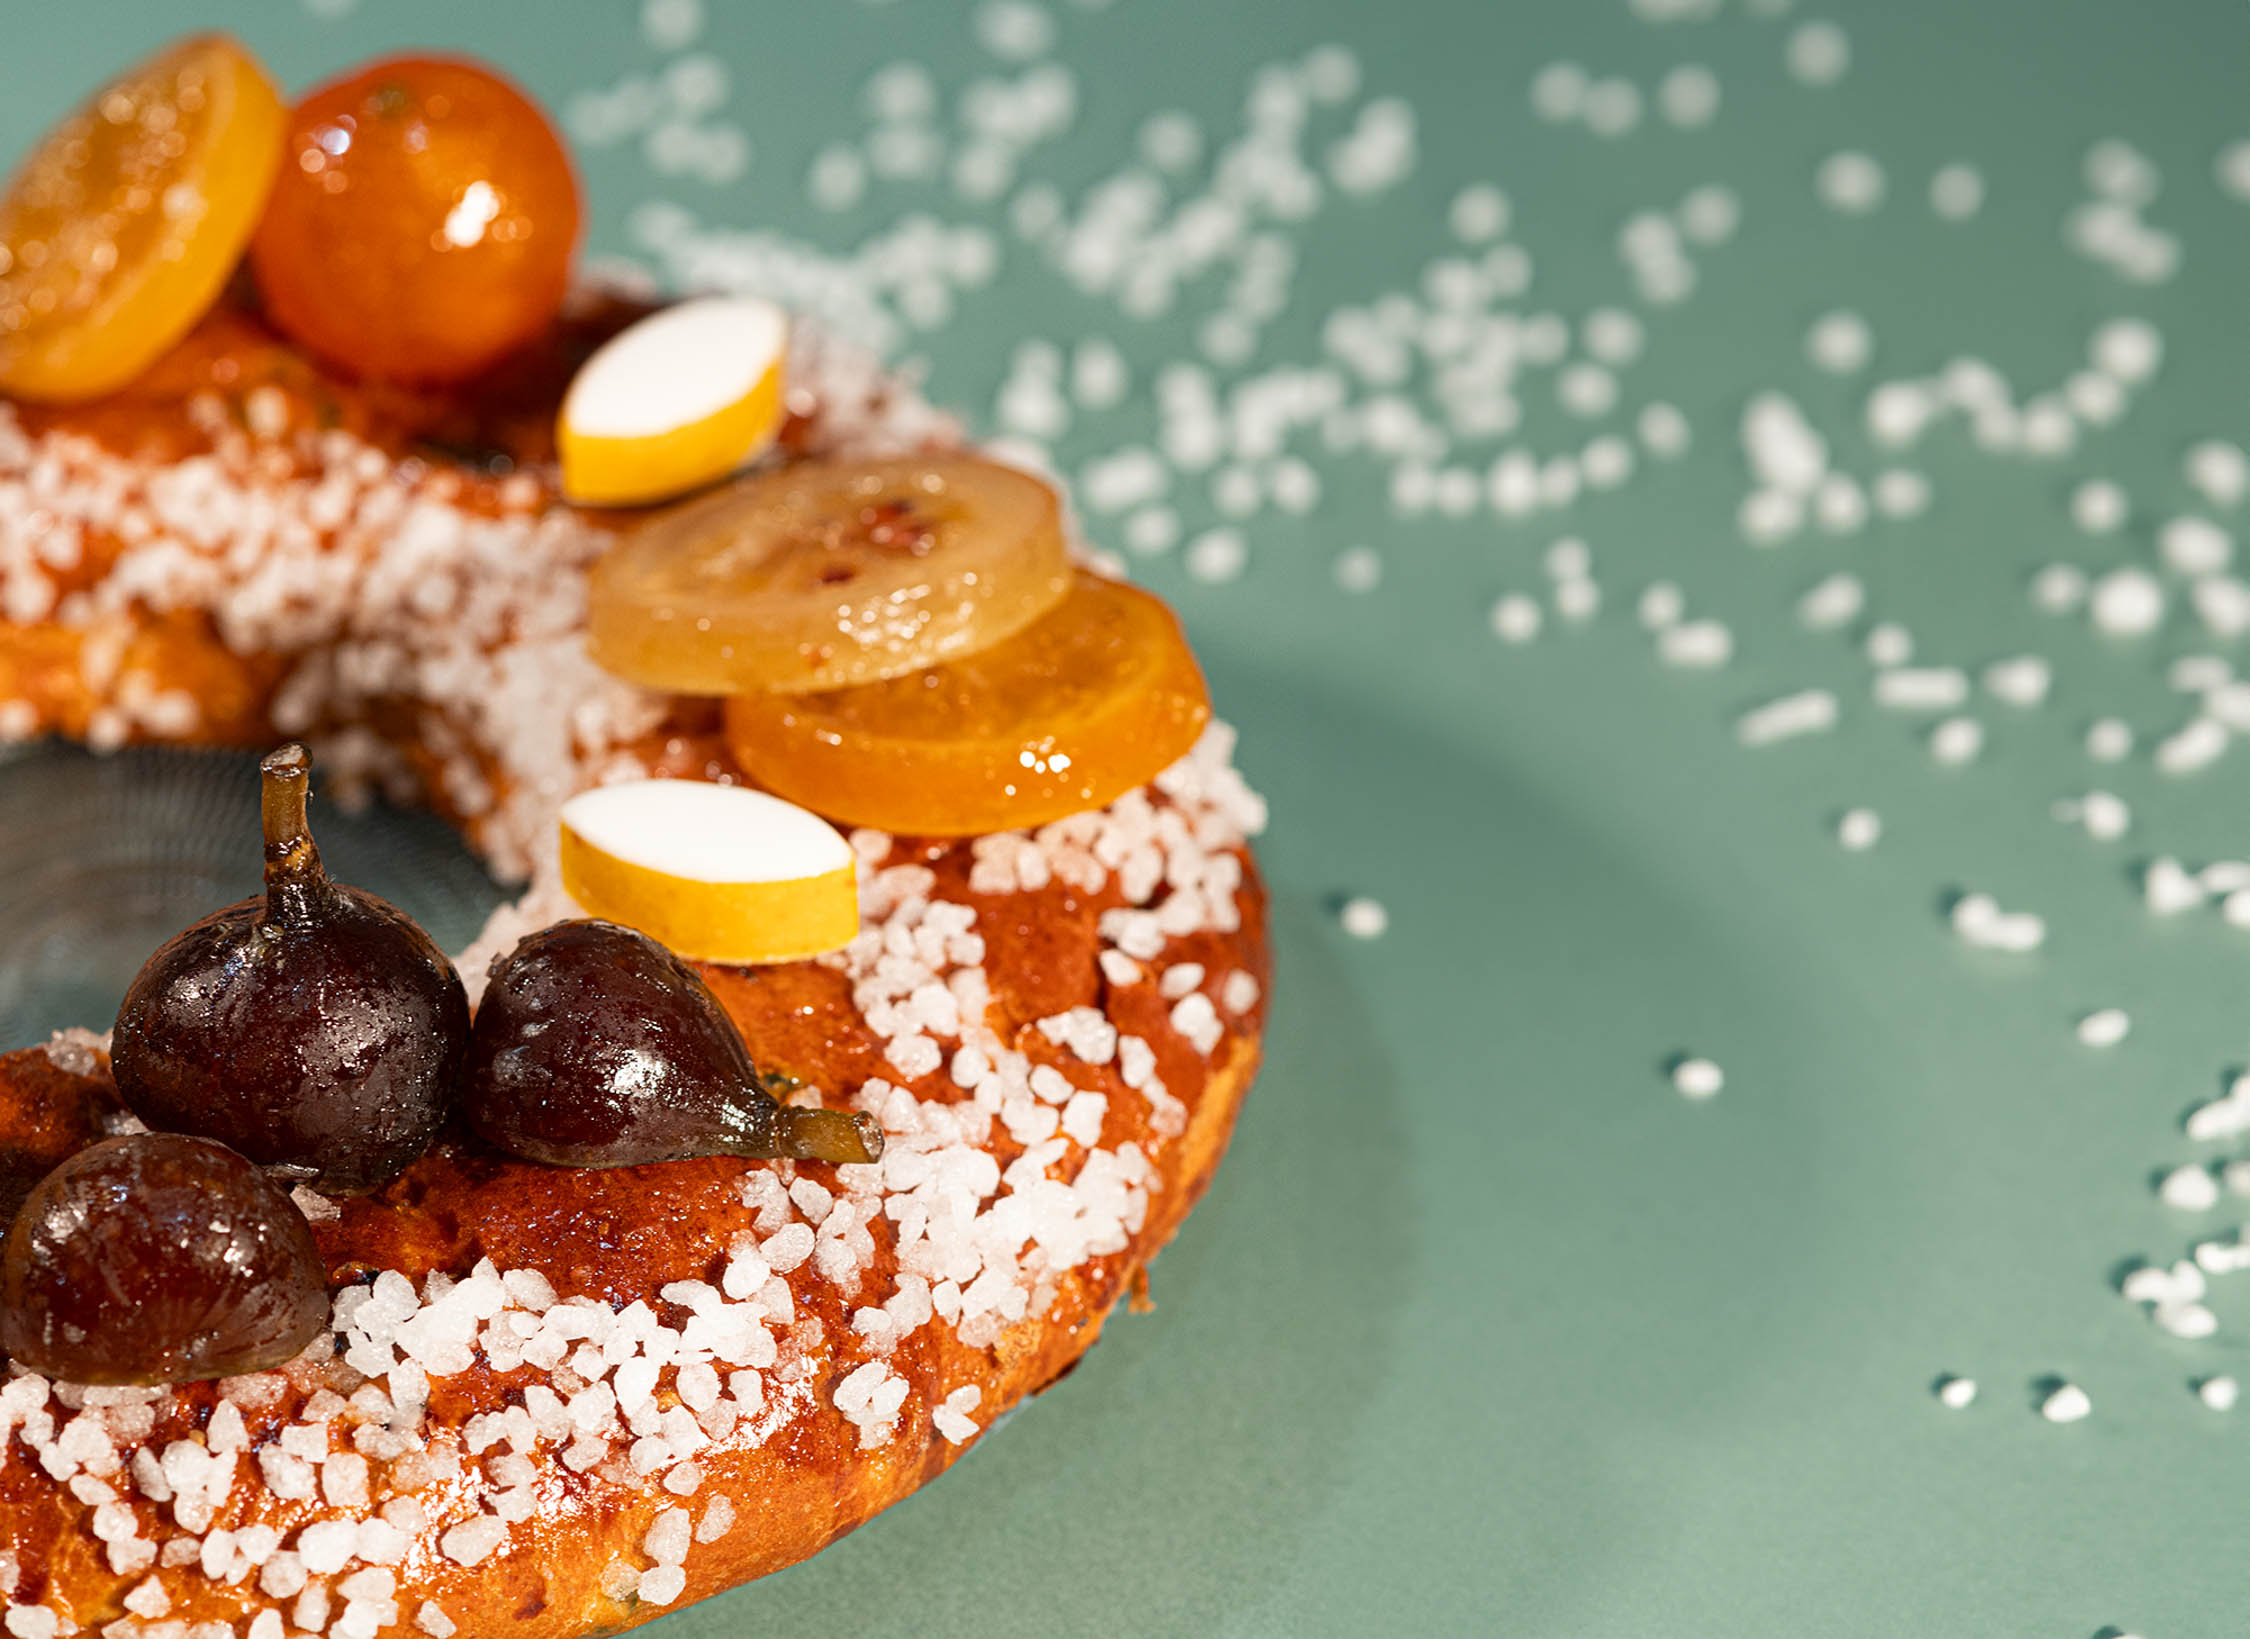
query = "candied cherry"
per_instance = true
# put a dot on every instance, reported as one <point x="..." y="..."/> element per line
<point x="423" y="222"/>
<point x="1071" y="713"/>
<point x="317" y="1029"/>
<point x="120" y="229"/>
<point x="597" y="1047"/>
<point x="822" y="574"/>
<point x="158" y="1258"/>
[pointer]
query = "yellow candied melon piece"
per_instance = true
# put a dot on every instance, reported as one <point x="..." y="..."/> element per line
<point x="716" y="872"/>
<point x="674" y="401"/>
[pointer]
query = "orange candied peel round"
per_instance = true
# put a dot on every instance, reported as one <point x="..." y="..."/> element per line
<point x="827" y="574"/>
<point x="121" y="228"/>
<point x="1075" y="710"/>
<point x="423" y="223"/>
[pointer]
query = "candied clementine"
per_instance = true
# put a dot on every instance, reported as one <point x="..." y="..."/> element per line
<point x="1078" y="708"/>
<point x="829" y="573"/>
<point x="121" y="227"/>
<point x="423" y="223"/>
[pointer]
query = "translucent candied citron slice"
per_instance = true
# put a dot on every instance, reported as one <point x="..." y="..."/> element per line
<point x="1069" y="714"/>
<point x="827" y="574"/>
<point x="120" y="230"/>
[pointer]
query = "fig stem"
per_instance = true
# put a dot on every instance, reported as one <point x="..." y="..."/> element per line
<point x="292" y="861"/>
<point x="828" y="1135"/>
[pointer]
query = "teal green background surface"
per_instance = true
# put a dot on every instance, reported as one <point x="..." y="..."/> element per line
<point x="1483" y="1329"/>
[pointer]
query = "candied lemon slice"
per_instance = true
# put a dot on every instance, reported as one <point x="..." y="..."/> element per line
<point x="1069" y="714"/>
<point x="681" y="398"/>
<point x="121" y="228"/>
<point x="716" y="872"/>
<point x="825" y="574"/>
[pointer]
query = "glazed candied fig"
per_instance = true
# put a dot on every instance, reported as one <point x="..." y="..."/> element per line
<point x="316" y="1029"/>
<point x="158" y="1258"/>
<point x="597" y="1047"/>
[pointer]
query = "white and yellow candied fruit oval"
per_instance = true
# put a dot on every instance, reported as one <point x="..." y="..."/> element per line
<point x="674" y="401"/>
<point x="716" y="872"/>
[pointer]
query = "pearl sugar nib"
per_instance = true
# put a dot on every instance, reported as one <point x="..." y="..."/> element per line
<point x="717" y="873"/>
<point x="674" y="401"/>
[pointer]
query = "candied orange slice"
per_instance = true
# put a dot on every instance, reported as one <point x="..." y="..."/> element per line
<point x="121" y="228"/>
<point x="827" y="574"/>
<point x="1071" y="713"/>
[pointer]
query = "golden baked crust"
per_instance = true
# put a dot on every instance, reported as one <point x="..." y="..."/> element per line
<point x="792" y="1497"/>
<point x="556" y="1401"/>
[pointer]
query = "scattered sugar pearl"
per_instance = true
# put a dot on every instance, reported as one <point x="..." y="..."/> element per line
<point x="2109" y="740"/>
<point x="1956" y="1393"/>
<point x="1850" y="182"/>
<point x="1859" y="829"/>
<point x="1889" y="644"/>
<point x="1359" y="569"/>
<point x="2105" y="815"/>
<point x="1613" y="335"/>
<point x="1171" y="140"/>
<point x="1479" y="214"/>
<point x="2127" y="602"/>
<point x="1689" y="95"/>
<point x="1364" y="918"/>
<point x="1578" y="600"/>
<point x="1607" y="462"/>
<point x="1586" y="390"/>
<point x="1957" y="192"/>
<point x="2194" y="546"/>
<point x="1840" y="342"/>
<point x="1698" y="645"/>
<point x="1979" y="921"/>
<point x="2189" y="1188"/>
<point x="2232" y="169"/>
<point x="1612" y="107"/>
<point x="1662" y="604"/>
<point x="2194" y="748"/>
<point x="1901" y="493"/>
<point x="1151" y="530"/>
<point x="1840" y="505"/>
<point x="1956" y="741"/>
<point x="1568" y="559"/>
<point x="2220" y="471"/>
<point x="1558" y="92"/>
<point x="1217" y="555"/>
<point x="1697" y="1078"/>
<point x="2219" y="1393"/>
<point x="1836" y="601"/>
<point x="1809" y="711"/>
<point x="2058" y="589"/>
<point x="1516" y="618"/>
<point x="1819" y="53"/>
<point x="2020" y="681"/>
<point x="2168" y="888"/>
<point x="2127" y="350"/>
<point x="2098" y="507"/>
<point x="2104" y="1027"/>
<point x="1709" y="214"/>
<point x="1663" y="430"/>
<point x="2067" y="1404"/>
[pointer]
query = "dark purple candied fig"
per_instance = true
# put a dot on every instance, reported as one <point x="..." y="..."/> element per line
<point x="597" y="1047"/>
<point x="158" y="1259"/>
<point x="317" y="1029"/>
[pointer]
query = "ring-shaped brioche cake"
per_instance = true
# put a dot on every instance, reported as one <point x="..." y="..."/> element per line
<point x="559" y="1401"/>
